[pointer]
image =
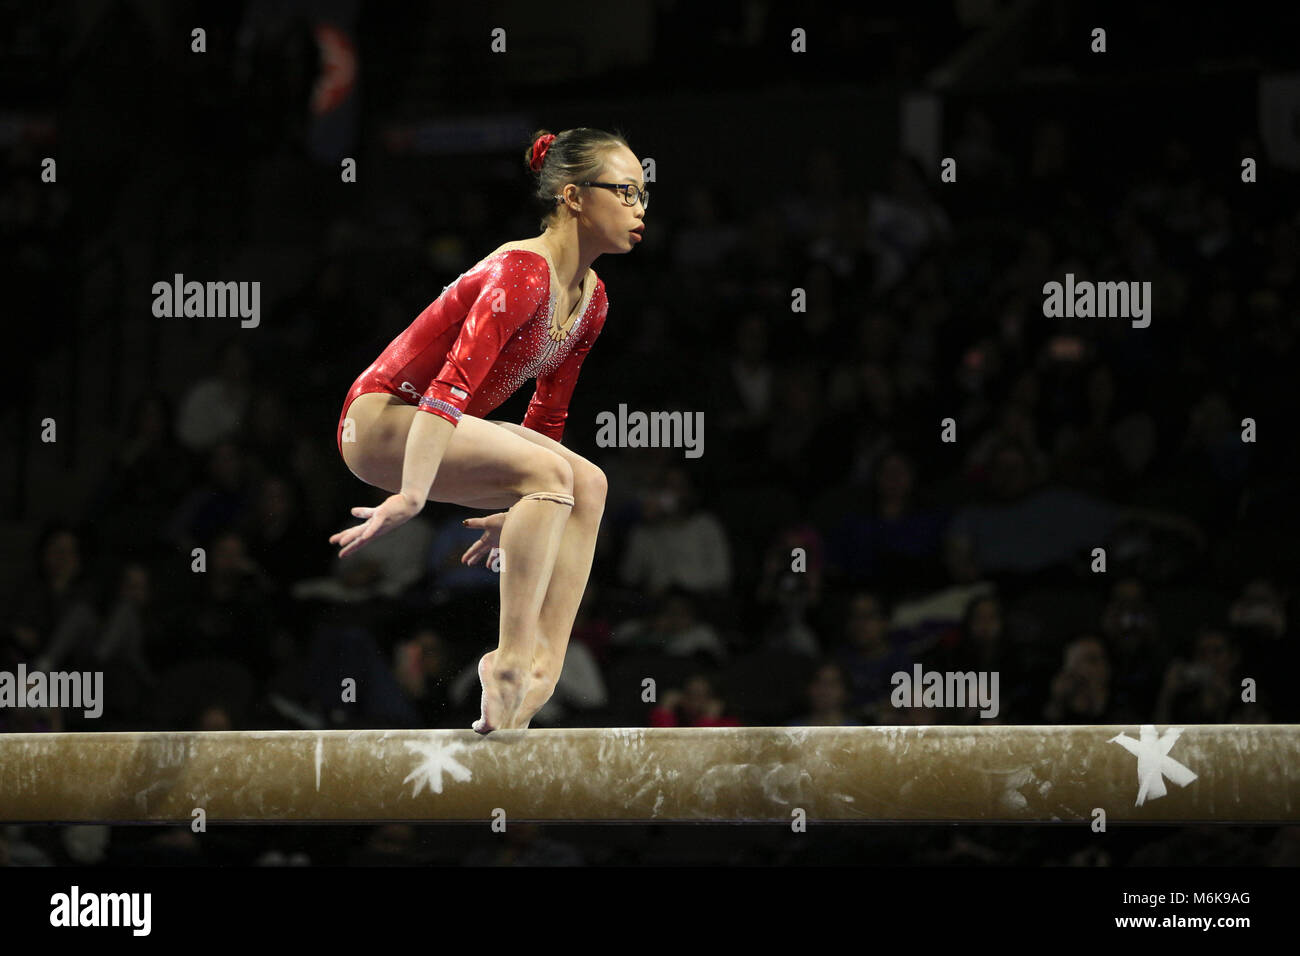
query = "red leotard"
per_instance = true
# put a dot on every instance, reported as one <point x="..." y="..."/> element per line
<point x="482" y="338"/>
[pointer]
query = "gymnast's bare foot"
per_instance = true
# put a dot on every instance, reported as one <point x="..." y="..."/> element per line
<point x="501" y="697"/>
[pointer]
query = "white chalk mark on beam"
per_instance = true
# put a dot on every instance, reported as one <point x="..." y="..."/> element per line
<point x="438" y="759"/>
<point x="1009" y="797"/>
<point x="1154" y="762"/>
<point x="320" y="753"/>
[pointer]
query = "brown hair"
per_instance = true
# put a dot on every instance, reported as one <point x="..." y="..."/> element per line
<point x="575" y="156"/>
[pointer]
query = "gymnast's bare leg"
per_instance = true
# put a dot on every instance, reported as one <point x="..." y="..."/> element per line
<point x="569" y="576"/>
<point x="482" y="466"/>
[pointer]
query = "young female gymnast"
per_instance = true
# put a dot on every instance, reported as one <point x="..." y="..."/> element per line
<point x="413" y="422"/>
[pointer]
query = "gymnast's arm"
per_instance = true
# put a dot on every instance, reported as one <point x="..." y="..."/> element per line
<point x="510" y="294"/>
<point x="426" y="443"/>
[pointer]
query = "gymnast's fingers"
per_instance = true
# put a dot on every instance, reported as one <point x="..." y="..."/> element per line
<point x="355" y="537"/>
<point x="353" y="545"/>
<point x="344" y="536"/>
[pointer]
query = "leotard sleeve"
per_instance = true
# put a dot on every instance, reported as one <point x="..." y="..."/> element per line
<point x="512" y="287"/>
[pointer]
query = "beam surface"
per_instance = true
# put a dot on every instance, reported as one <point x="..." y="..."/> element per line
<point x="1225" y="773"/>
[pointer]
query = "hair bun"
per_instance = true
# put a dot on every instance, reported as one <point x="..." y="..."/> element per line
<point x="540" y="147"/>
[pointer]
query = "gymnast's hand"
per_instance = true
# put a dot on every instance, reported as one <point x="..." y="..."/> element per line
<point x="394" y="512"/>
<point x="491" y="525"/>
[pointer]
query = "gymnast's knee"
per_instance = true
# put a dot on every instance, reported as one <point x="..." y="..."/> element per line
<point x="551" y="481"/>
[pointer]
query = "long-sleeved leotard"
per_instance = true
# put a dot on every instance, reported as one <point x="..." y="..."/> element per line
<point x="482" y="338"/>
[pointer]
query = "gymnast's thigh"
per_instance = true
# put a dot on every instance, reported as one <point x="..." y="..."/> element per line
<point x="483" y="466"/>
<point x="588" y="479"/>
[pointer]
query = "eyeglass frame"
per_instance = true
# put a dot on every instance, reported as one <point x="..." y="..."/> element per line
<point x="642" y="192"/>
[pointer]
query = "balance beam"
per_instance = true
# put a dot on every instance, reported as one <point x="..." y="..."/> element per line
<point x="1032" y="774"/>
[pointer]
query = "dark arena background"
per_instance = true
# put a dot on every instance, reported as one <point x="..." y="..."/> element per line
<point x="987" y="312"/>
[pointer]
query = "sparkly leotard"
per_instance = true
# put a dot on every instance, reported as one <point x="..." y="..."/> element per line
<point x="487" y="333"/>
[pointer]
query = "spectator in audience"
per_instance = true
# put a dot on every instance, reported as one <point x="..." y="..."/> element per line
<point x="421" y="667"/>
<point x="450" y="578"/>
<point x="748" y="392"/>
<point x="1024" y="530"/>
<point x="675" y="630"/>
<point x="130" y="628"/>
<point x="800" y="429"/>
<point x="1080" y="691"/>
<point x="352" y="682"/>
<point x="790" y="588"/>
<point x="1258" y="621"/>
<point x="827" y="700"/>
<point x="279" y="536"/>
<point x="981" y="648"/>
<point x="897" y="547"/>
<point x="54" y="616"/>
<point x="226" y="609"/>
<point x="676" y="542"/>
<point x="704" y="239"/>
<point x="148" y="474"/>
<point x="223" y="501"/>
<point x="694" y="706"/>
<point x="593" y="626"/>
<point x="1131" y="630"/>
<point x="1206" y="689"/>
<point x="869" y="659"/>
<point x="204" y="692"/>
<point x="1016" y="428"/>
<point x="213" y="408"/>
<point x="902" y="222"/>
<point x="389" y="567"/>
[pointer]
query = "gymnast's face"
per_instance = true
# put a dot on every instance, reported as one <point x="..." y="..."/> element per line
<point x="604" y="211"/>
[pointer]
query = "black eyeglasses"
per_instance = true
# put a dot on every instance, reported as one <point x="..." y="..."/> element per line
<point x="630" y="193"/>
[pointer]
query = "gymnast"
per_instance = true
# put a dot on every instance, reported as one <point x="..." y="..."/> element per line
<point x="531" y="309"/>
